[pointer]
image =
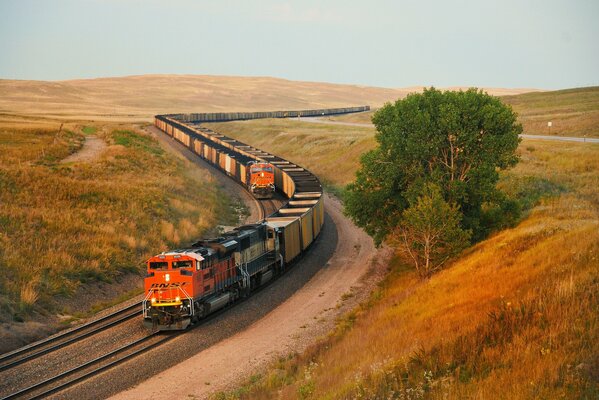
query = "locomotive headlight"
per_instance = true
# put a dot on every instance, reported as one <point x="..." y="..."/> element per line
<point x="177" y="299"/>
<point x="167" y="277"/>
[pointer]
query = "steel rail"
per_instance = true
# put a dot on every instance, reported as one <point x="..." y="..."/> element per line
<point x="66" y="338"/>
<point x="82" y="366"/>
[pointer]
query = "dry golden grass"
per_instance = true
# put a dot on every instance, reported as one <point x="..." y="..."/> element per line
<point x="67" y="224"/>
<point x="332" y="151"/>
<point x="514" y="318"/>
<point x="573" y="112"/>
<point x="138" y="98"/>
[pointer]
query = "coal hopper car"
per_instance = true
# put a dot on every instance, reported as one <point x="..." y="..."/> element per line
<point x="184" y="285"/>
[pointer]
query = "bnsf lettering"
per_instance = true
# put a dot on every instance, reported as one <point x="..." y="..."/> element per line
<point x="167" y="285"/>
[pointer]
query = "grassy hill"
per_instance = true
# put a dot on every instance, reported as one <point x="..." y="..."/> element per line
<point x="514" y="318"/>
<point x="66" y="228"/>
<point x="573" y="112"/>
<point x="138" y="98"/>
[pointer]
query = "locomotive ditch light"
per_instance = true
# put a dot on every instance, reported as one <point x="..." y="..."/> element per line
<point x="177" y="299"/>
<point x="153" y="300"/>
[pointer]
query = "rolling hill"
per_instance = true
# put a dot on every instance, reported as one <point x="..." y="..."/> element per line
<point x="138" y="98"/>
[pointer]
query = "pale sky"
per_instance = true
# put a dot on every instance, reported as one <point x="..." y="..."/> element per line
<point x="548" y="44"/>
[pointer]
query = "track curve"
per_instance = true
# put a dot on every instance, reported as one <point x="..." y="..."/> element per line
<point x="294" y="180"/>
<point x="302" y="215"/>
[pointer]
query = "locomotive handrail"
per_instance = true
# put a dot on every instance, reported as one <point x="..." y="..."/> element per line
<point x="192" y="308"/>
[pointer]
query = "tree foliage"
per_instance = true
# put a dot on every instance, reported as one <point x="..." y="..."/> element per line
<point x="457" y="141"/>
<point x="429" y="233"/>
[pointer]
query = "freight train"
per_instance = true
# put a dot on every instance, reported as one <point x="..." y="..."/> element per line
<point x="184" y="285"/>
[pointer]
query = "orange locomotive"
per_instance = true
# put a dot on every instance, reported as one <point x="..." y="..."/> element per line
<point x="261" y="179"/>
<point x="185" y="285"/>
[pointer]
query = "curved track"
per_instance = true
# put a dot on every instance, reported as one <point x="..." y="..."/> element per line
<point x="293" y="179"/>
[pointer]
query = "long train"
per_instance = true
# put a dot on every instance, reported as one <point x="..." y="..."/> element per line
<point x="184" y="285"/>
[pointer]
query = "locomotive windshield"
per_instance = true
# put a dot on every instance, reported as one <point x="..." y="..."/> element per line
<point x="182" y="264"/>
<point x="258" y="169"/>
<point x="158" y="265"/>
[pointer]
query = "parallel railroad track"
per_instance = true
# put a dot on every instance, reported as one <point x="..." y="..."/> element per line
<point x="89" y="369"/>
<point x="294" y="180"/>
<point x="26" y="353"/>
<point x="102" y="363"/>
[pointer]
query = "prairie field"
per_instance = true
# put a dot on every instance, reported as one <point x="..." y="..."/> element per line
<point x="572" y="112"/>
<point x="514" y="317"/>
<point x="139" y="98"/>
<point x="332" y="151"/>
<point x="65" y="227"/>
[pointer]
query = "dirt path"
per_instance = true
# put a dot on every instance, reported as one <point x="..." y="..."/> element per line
<point x="292" y="326"/>
<point x="91" y="149"/>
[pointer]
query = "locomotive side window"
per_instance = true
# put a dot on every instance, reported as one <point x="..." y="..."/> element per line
<point x="159" y="265"/>
<point x="182" y="264"/>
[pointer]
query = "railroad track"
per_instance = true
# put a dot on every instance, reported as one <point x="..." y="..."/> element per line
<point x="86" y="370"/>
<point x="268" y="207"/>
<point x="37" y="349"/>
<point x="89" y="369"/>
<point x="293" y="178"/>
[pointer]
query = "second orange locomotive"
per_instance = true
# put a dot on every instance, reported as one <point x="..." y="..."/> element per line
<point x="261" y="179"/>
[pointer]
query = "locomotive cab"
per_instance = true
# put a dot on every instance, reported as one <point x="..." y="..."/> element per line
<point x="261" y="179"/>
<point x="169" y="287"/>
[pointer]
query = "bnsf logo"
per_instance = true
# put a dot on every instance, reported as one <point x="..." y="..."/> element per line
<point x="167" y="285"/>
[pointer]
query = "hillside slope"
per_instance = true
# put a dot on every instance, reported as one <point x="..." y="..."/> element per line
<point x="89" y="224"/>
<point x="136" y="98"/>
<point x="572" y="112"/>
<point x="514" y="318"/>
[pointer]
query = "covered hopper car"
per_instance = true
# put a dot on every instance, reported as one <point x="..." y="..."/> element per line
<point x="184" y="285"/>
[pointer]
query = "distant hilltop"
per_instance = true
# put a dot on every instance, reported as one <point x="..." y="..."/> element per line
<point x="139" y="97"/>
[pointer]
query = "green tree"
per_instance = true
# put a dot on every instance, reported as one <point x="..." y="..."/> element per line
<point x="455" y="140"/>
<point x="429" y="233"/>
